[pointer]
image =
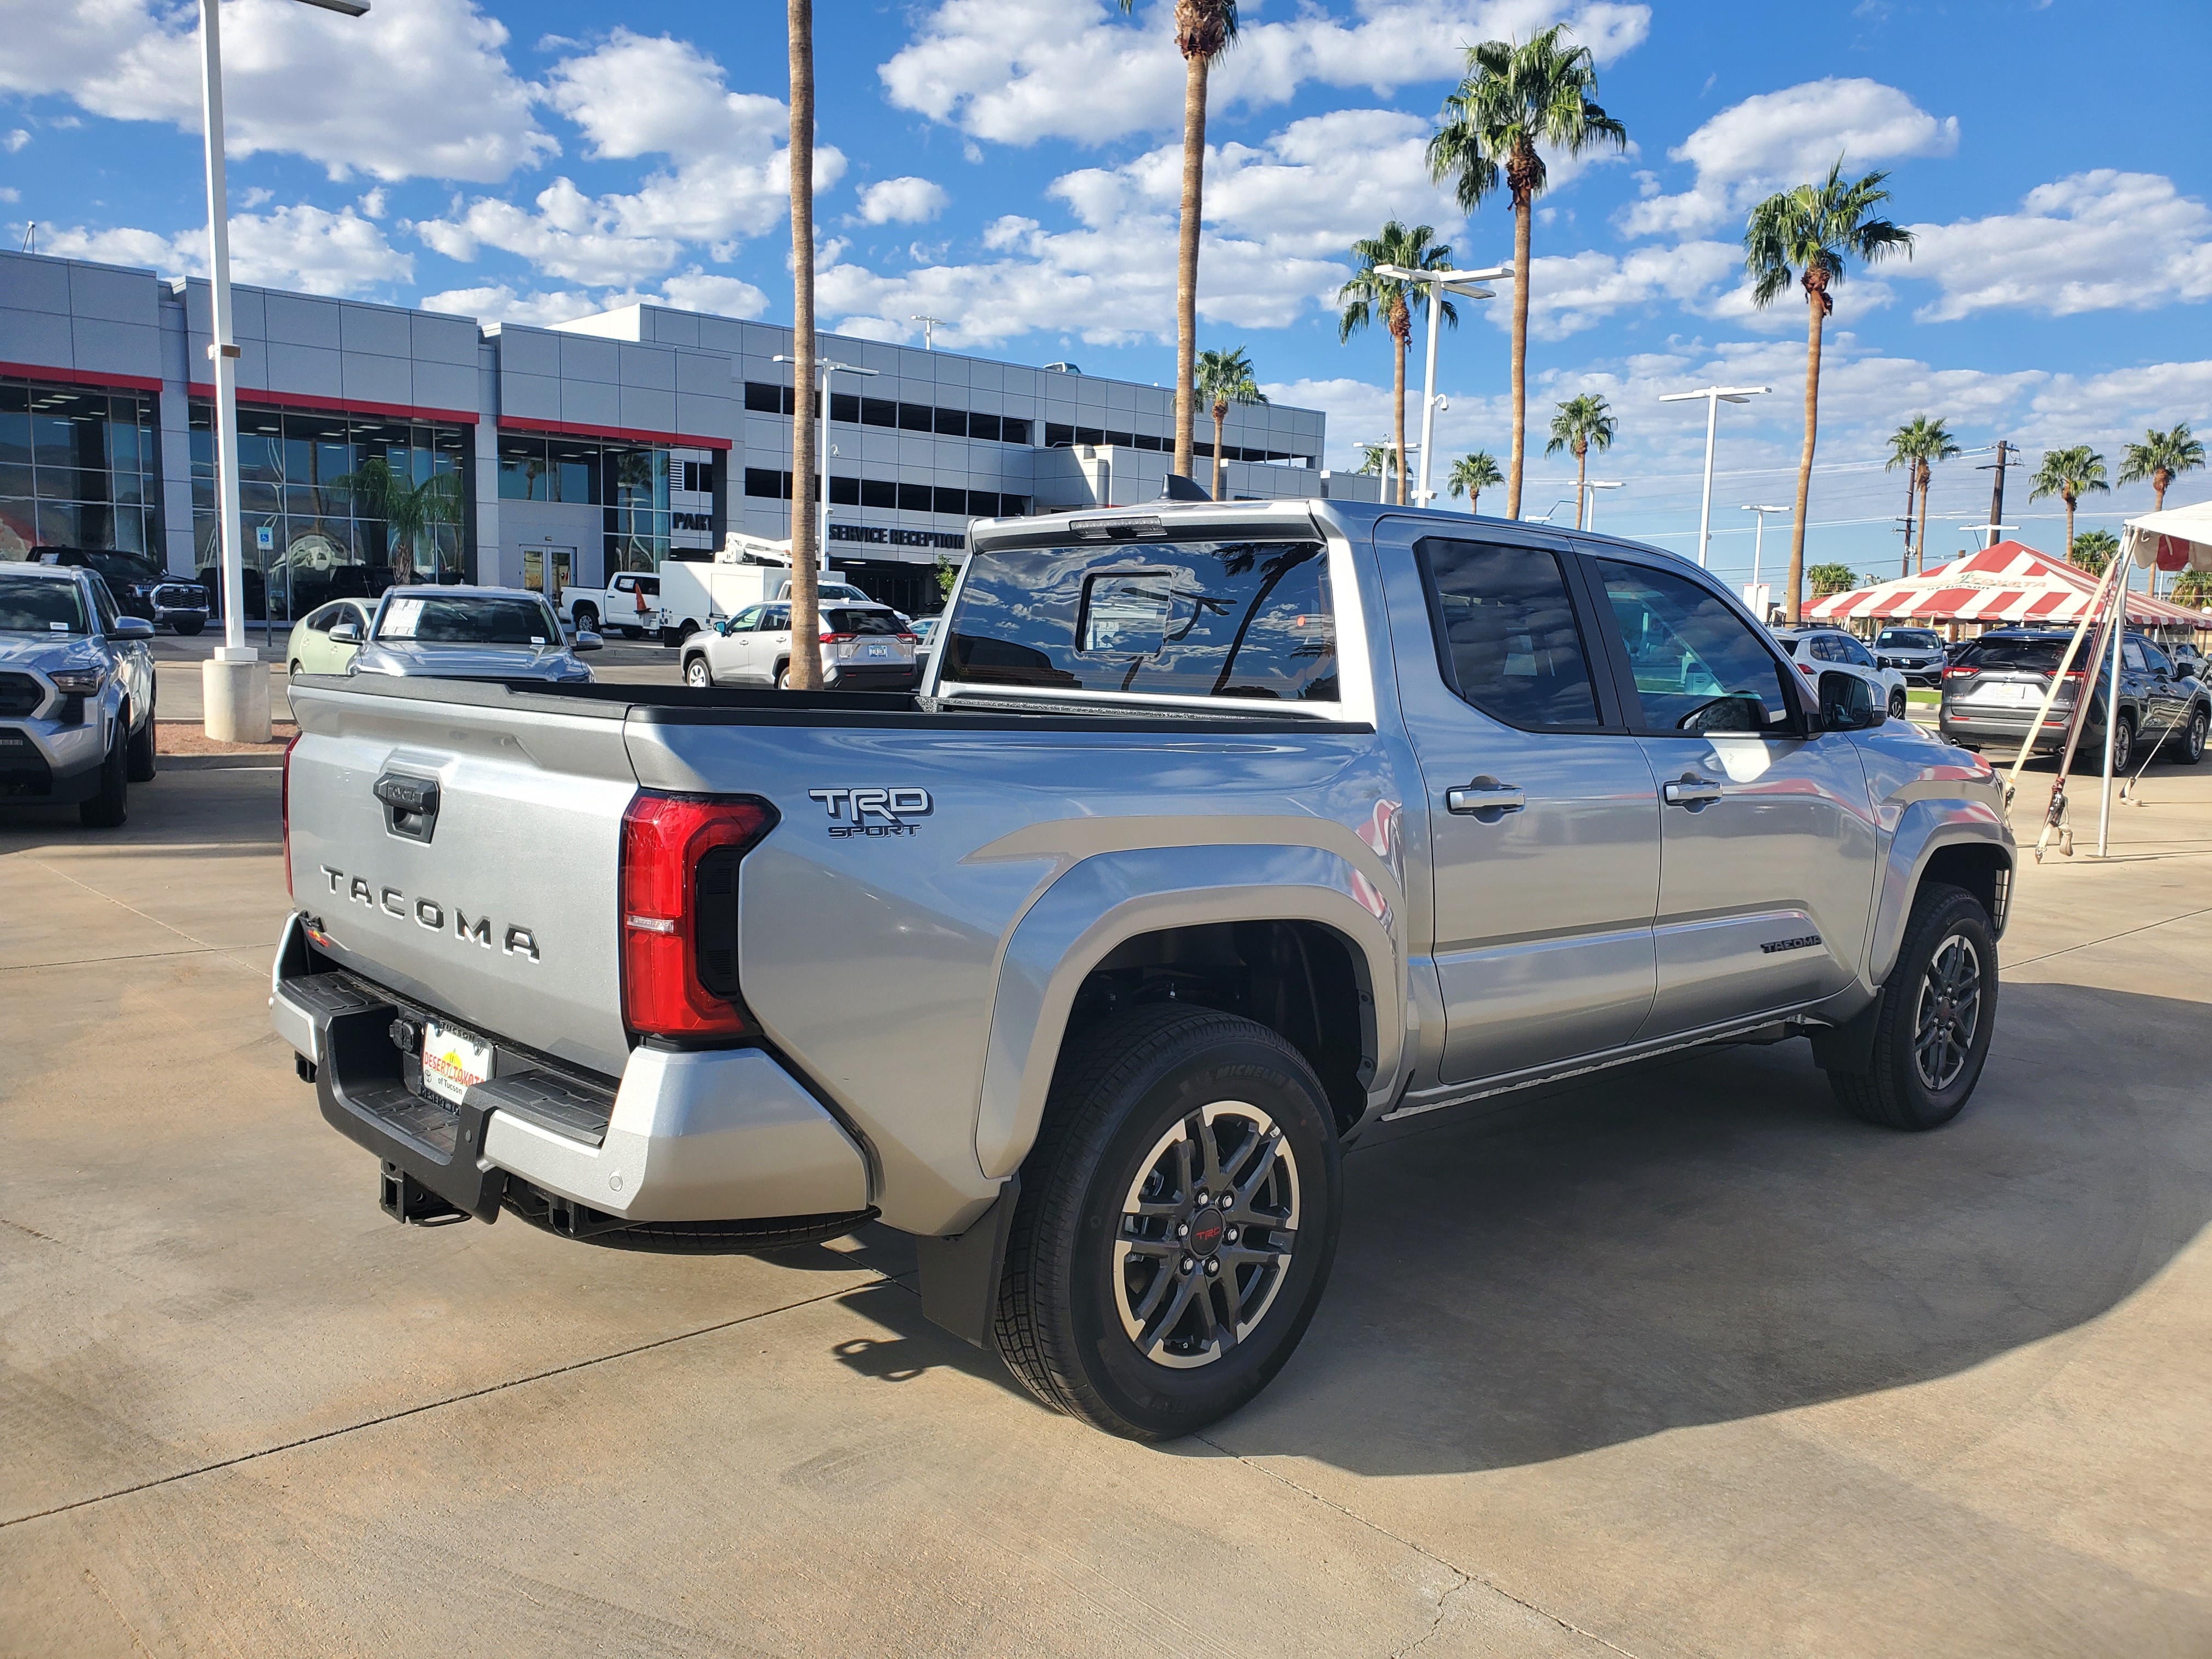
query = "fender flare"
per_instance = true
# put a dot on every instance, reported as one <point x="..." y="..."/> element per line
<point x="1925" y="827"/>
<point x="1102" y="901"/>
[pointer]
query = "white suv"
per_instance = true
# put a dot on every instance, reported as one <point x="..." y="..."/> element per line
<point x="1813" y="650"/>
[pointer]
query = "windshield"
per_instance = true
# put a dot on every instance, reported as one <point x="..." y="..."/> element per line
<point x="1910" y="639"/>
<point x="41" y="605"/>
<point x="467" y="620"/>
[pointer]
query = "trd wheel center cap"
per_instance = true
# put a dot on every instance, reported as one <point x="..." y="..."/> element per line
<point x="1206" y="1228"/>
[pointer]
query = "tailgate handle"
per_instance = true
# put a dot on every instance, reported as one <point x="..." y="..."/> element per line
<point x="410" y="805"/>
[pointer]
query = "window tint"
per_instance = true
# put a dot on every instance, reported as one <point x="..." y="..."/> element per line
<point x="1699" y="667"/>
<point x="747" y="620"/>
<point x="1510" y="637"/>
<point x="104" y="603"/>
<point x="2041" y="655"/>
<point x="318" y="622"/>
<point x="2132" y="655"/>
<point x="2156" y="659"/>
<point x="1848" y="650"/>
<point x="1203" y="619"/>
<point x="776" y="621"/>
<point x="860" y="621"/>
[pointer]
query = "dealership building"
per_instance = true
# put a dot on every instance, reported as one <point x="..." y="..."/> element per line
<point x="612" y="442"/>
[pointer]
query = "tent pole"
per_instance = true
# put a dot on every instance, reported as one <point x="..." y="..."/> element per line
<point x="2112" y="717"/>
<point x="2073" y="649"/>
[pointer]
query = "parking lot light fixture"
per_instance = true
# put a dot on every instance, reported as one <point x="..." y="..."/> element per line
<point x="827" y="367"/>
<point x="1468" y="284"/>
<point x="1758" y="545"/>
<point x="1715" y="396"/>
<point x="1592" y="486"/>
<point x="235" y="687"/>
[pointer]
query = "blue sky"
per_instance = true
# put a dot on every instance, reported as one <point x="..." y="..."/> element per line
<point x="1012" y="168"/>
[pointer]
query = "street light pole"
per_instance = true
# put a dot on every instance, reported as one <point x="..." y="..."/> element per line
<point x="929" y="327"/>
<point x="1591" y="487"/>
<point x="1467" y="285"/>
<point x="1759" y="543"/>
<point x="233" y="686"/>
<point x="828" y="368"/>
<point x="1715" y="396"/>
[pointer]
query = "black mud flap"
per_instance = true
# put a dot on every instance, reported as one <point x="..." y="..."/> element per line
<point x="960" y="1276"/>
<point x="1848" y="1048"/>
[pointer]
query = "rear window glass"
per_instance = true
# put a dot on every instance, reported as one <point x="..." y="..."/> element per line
<point x="860" y="622"/>
<point x="1191" y="619"/>
<point x="2039" y="654"/>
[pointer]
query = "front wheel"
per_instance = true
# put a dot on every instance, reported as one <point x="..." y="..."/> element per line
<point x="2191" y="749"/>
<point x="1897" y="701"/>
<point x="189" y="626"/>
<point x="1938" y="1010"/>
<point x="1178" y="1218"/>
<point x="697" y="675"/>
<point x="141" y="757"/>
<point x="107" y="808"/>
<point x="2124" y="744"/>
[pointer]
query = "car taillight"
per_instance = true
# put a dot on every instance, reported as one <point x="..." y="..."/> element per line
<point x="1957" y="673"/>
<point x="679" y="912"/>
<point x="910" y="639"/>
<point x="1806" y="669"/>
<point x="284" y="806"/>
<point x="839" y="639"/>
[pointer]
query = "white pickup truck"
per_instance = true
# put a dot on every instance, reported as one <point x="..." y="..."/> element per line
<point x="1218" y="835"/>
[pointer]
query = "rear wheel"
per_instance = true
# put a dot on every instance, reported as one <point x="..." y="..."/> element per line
<point x="1938" y="1010"/>
<point x="142" y="759"/>
<point x="1177" y="1220"/>
<point x="107" y="808"/>
<point x="587" y="619"/>
<point x="697" y="674"/>
<point x="783" y="676"/>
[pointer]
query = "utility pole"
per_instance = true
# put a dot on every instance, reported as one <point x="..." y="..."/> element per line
<point x="2005" y="449"/>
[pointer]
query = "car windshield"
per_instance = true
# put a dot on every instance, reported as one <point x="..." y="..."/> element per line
<point x="1910" y="639"/>
<point x="474" y="619"/>
<point x="41" y="605"/>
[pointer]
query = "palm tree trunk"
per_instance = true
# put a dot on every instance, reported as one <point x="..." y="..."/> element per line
<point x="2069" y="529"/>
<point x="1912" y="479"/>
<point x="1521" y="213"/>
<point x="1794" y="610"/>
<point x="1582" y="467"/>
<point x="1194" y="191"/>
<point x="805" y="670"/>
<point x="1921" y="546"/>
<point x="1219" y="413"/>
<point x="1398" y="402"/>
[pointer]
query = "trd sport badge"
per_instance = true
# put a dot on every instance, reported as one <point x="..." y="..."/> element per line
<point x="873" y="811"/>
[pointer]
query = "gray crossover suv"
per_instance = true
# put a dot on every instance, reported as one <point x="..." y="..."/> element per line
<point x="76" y="693"/>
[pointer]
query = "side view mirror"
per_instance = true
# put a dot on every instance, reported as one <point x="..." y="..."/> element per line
<point x="345" y="633"/>
<point x="1847" y="703"/>
<point x="130" y="627"/>
<point x="587" y="640"/>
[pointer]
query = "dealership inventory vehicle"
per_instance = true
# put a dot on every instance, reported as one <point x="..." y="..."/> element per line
<point x="310" y="649"/>
<point x="1818" y="650"/>
<point x="1915" y="653"/>
<point x="865" y="647"/>
<point x="1992" y="690"/>
<point x="76" y="693"/>
<point x="141" y="588"/>
<point x="464" y="632"/>
<point x="1218" y="835"/>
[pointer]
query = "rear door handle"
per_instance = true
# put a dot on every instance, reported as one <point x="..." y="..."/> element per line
<point x="1691" y="790"/>
<point x="1485" y="794"/>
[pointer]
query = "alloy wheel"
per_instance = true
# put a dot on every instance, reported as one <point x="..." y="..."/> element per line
<point x="1208" y="1230"/>
<point x="1949" y="1014"/>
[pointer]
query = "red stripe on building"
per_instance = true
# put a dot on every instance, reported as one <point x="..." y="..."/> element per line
<point x="628" y="434"/>
<point x="258" y="396"/>
<point x="84" y="377"/>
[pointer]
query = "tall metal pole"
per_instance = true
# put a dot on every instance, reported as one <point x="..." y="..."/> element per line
<point x="1705" y="504"/>
<point x="822" y="534"/>
<point x="2111" y="720"/>
<point x="222" y="348"/>
<point x="1422" y="495"/>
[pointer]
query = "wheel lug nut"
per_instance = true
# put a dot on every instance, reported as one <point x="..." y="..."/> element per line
<point x="1228" y="1201"/>
<point x="1182" y="1229"/>
<point x="1229" y="1237"/>
<point x="1187" y="1264"/>
<point x="1199" y="1198"/>
<point x="1212" y="1265"/>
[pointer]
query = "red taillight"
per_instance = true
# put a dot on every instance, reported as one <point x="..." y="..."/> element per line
<point x="839" y="639"/>
<point x="910" y="639"/>
<point x="1806" y="669"/>
<point x="679" y="912"/>
<point x="1957" y="673"/>
<point x="284" y="799"/>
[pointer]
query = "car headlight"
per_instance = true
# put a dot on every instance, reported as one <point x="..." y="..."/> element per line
<point x="78" y="682"/>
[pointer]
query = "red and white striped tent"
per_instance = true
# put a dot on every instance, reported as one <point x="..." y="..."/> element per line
<point x="2009" y="584"/>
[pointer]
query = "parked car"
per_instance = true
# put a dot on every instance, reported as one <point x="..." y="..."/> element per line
<point x="141" y="588"/>
<point x="466" y="633"/>
<point x="76" y="693"/>
<point x="1915" y="653"/>
<point x="1233" y="832"/>
<point x="924" y="629"/>
<point x="311" y="650"/>
<point x="1992" y="692"/>
<point x="865" y="647"/>
<point x="2191" y="661"/>
<point x="1816" y="650"/>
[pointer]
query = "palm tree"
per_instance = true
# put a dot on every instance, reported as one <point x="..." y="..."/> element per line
<point x="411" y="512"/>
<point x="2193" y="588"/>
<point x="1473" y="474"/>
<point x="2159" y="458"/>
<point x="1583" y="423"/>
<point x="805" y="670"/>
<point x="1374" y="458"/>
<point x="2068" y="474"/>
<point x="1828" y="579"/>
<point x="1224" y="378"/>
<point x="1368" y="296"/>
<point x="2093" y="550"/>
<point x="1810" y="233"/>
<point x="1514" y="98"/>
<point x="1917" y="446"/>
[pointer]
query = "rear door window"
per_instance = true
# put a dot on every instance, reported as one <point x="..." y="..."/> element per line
<point x="1190" y="619"/>
<point x="1510" y="645"/>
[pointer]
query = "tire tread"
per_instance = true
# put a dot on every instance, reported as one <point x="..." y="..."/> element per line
<point x="1874" y="1093"/>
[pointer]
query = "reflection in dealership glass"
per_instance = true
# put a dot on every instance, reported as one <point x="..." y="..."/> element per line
<point x="1194" y="619"/>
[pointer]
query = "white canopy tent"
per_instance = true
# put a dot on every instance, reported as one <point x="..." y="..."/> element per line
<point x="2179" y="539"/>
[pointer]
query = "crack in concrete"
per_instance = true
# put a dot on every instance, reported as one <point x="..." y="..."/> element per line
<point x="2088" y="943"/>
<point x="1466" y="1578"/>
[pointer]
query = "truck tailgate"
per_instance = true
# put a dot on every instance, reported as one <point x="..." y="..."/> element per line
<point x="497" y="901"/>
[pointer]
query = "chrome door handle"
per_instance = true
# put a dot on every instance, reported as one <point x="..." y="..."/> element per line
<point x="1485" y="794"/>
<point x="1691" y="790"/>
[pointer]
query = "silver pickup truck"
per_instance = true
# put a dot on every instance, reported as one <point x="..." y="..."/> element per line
<point x="1217" y="836"/>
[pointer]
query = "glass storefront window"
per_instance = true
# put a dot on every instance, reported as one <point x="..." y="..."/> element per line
<point x="78" y="468"/>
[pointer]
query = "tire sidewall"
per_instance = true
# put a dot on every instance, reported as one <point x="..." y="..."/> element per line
<point x="2124" y="744"/>
<point x="1160" y="1400"/>
<point x="2192" y="738"/>
<point x="705" y="676"/>
<point x="1959" y="915"/>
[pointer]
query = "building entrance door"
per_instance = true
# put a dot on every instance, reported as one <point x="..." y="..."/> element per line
<point x="560" y="562"/>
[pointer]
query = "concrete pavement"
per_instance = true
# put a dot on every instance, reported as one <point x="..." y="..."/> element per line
<point x="1682" y="1360"/>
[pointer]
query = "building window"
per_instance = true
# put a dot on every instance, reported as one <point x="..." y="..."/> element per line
<point x="845" y="406"/>
<point x="878" y="492"/>
<point x="914" y="498"/>
<point x="770" y="399"/>
<point x="1015" y="432"/>
<point x="878" y="412"/>
<point x="1057" y="437"/>
<point x="951" y="423"/>
<point x="844" y="492"/>
<point x="77" y="469"/>
<point x="351" y="506"/>
<point x="984" y="426"/>
<point x="917" y="417"/>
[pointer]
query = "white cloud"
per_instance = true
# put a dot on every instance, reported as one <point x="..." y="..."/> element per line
<point x="695" y="291"/>
<point x="1779" y="139"/>
<point x="725" y="296"/>
<point x="637" y="95"/>
<point x="1572" y="292"/>
<point x="417" y="88"/>
<point x="1036" y="69"/>
<point x="907" y="201"/>
<point x="2096" y="241"/>
<point x="300" y="247"/>
<point x="14" y="141"/>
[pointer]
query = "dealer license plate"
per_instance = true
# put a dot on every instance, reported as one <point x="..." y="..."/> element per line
<point x="452" y="1061"/>
<point x="878" y="650"/>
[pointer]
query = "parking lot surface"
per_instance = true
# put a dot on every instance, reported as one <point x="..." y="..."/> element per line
<point x="1679" y="1360"/>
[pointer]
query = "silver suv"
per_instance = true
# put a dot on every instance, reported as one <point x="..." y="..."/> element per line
<point x="76" y="693"/>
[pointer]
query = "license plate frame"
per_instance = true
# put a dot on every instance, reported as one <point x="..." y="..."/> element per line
<point x="452" y="1060"/>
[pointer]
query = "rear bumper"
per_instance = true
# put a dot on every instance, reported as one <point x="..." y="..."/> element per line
<point x="842" y="677"/>
<point x="1976" y="730"/>
<point x="685" y="1135"/>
